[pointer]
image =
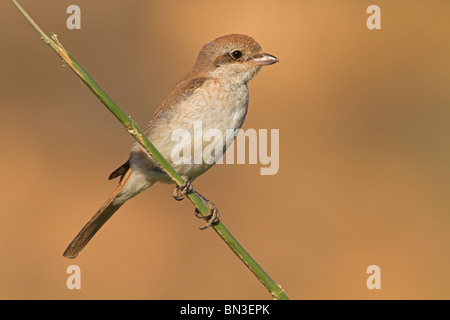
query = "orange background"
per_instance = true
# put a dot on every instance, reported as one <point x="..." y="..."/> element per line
<point x="364" y="152"/>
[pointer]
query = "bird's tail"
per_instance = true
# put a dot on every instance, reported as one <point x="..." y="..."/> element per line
<point x="97" y="221"/>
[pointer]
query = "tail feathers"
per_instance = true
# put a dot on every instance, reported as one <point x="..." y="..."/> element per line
<point x="120" y="171"/>
<point x="96" y="222"/>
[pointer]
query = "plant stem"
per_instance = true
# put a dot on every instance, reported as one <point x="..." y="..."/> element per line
<point x="141" y="138"/>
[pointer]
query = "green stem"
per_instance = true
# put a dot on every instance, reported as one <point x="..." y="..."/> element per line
<point x="141" y="138"/>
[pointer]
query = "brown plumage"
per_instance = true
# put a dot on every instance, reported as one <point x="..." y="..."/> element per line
<point x="214" y="92"/>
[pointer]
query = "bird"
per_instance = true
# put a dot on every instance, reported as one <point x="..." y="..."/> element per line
<point x="215" y="93"/>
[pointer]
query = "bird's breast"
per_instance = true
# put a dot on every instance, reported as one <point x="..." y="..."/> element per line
<point x="216" y="105"/>
<point x="219" y="105"/>
<point x="200" y="119"/>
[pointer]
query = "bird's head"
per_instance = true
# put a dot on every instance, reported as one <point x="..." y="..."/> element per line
<point x="235" y="57"/>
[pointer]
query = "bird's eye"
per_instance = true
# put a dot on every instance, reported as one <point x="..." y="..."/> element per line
<point x="236" y="54"/>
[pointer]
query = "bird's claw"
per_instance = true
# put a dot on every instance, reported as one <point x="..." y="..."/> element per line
<point x="180" y="192"/>
<point x="212" y="216"/>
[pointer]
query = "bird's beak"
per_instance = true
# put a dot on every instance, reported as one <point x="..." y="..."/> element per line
<point x="264" y="59"/>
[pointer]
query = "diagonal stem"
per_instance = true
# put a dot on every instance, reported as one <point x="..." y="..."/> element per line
<point x="132" y="128"/>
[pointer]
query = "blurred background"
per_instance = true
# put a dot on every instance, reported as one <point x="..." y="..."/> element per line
<point x="364" y="172"/>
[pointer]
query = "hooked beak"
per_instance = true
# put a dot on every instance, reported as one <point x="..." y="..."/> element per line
<point x="264" y="59"/>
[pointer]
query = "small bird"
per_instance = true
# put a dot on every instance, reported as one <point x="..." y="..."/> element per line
<point x="214" y="92"/>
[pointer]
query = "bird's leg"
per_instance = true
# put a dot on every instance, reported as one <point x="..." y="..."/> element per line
<point x="180" y="191"/>
<point x="213" y="215"/>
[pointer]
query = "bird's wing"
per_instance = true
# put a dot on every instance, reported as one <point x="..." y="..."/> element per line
<point x="182" y="90"/>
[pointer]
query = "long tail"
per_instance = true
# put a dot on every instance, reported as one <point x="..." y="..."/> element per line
<point x="97" y="221"/>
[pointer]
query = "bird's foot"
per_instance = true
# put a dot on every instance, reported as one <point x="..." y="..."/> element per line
<point x="213" y="215"/>
<point x="180" y="192"/>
